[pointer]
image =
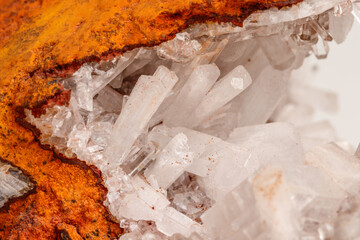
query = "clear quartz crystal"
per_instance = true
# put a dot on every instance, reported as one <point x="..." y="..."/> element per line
<point x="221" y="93"/>
<point x="278" y="51"/>
<point x="90" y="79"/>
<point x="321" y="49"/>
<point x="188" y="197"/>
<point x="143" y="102"/>
<point x="340" y="26"/>
<point x="343" y="168"/>
<point x="258" y="102"/>
<point x="236" y="216"/>
<point x="110" y="100"/>
<point x="343" y="8"/>
<point x="171" y="162"/>
<point x="180" y="49"/>
<point x="190" y="96"/>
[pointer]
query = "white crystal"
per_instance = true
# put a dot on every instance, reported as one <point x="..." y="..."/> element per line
<point x="280" y="144"/>
<point x="339" y="26"/>
<point x="200" y="81"/>
<point x="143" y="203"/>
<point x="283" y="194"/>
<point x="110" y="99"/>
<point x="179" y="49"/>
<point x="236" y="216"/>
<point x="278" y="51"/>
<point x="316" y="134"/>
<point x="173" y="222"/>
<point x="224" y="166"/>
<point x="343" y="8"/>
<point x="346" y="226"/>
<point x="301" y="10"/>
<point x="342" y="167"/>
<point x="222" y="92"/>
<point x="143" y="102"/>
<point x="258" y="102"/>
<point x="171" y="162"/>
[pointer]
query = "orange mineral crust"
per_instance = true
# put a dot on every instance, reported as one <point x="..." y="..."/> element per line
<point x="44" y="39"/>
<point x="67" y="202"/>
<point x="58" y="35"/>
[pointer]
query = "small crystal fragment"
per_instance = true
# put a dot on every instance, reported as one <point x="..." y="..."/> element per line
<point x="340" y="26"/>
<point x="343" y="8"/>
<point x="180" y="49"/>
<point x="321" y="49"/>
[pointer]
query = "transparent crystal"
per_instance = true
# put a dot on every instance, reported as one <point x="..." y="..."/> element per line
<point x="278" y="51"/>
<point x="221" y="93"/>
<point x="342" y="167"/>
<point x="339" y="26"/>
<point x="171" y="162"/>
<point x="143" y="102"/>
<point x="191" y="94"/>
<point x="180" y="49"/>
<point x="258" y="102"/>
<point x="343" y="8"/>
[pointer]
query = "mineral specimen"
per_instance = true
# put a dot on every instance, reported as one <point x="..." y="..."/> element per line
<point x="205" y="136"/>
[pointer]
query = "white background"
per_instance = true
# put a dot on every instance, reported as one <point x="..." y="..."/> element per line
<point x="340" y="72"/>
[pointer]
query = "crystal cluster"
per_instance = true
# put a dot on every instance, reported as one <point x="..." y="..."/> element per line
<point x="210" y="135"/>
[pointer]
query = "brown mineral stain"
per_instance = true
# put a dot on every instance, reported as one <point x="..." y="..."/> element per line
<point x="44" y="39"/>
<point x="268" y="181"/>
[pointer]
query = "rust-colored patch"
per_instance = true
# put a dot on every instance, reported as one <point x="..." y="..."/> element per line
<point x="60" y="98"/>
<point x="268" y="182"/>
<point x="44" y="39"/>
